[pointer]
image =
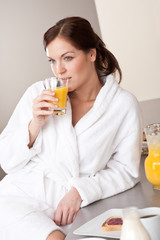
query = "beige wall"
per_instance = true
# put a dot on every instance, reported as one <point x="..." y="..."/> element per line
<point x="131" y="30"/>
<point x="22" y="58"/>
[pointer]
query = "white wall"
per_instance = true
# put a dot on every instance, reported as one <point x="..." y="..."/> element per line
<point x="22" y="58"/>
<point x="131" y="30"/>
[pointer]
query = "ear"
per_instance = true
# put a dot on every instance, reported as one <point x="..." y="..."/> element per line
<point x="93" y="54"/>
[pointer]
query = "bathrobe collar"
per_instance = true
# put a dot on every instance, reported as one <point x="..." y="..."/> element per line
<point x="101" y="103"/>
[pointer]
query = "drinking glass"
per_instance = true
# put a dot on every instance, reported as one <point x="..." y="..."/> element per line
<point x="60" y="87"/>
<point x="152" y="162"/>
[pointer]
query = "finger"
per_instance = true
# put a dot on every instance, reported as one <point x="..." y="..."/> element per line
<point x="48" y="92"/>
<point x="64" y="219"/>
<point x="58" y="217"/>
<point x="44" y="105"/>
<point x="43" y="113"/>
<point x="44" y="96"/>
<point x="74" y="216"/>
<point x="71" y="216"/>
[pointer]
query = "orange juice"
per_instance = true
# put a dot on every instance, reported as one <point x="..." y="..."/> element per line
<point x="61" y="94"/>
<point x="152" y="167"/>
<point x="152" y="162"/>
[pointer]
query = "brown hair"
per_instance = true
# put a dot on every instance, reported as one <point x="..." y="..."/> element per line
<point x="81" y="34"/>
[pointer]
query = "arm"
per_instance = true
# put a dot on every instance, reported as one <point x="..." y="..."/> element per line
<point x="121" y="171"/>
<point x="122" y="166"/>
<point x="22" y="137"/>
<point x="40" y="111"/>
<point x="14" y="152"/>
<point x="118" y="176"/>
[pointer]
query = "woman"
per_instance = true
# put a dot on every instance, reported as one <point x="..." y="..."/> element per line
<point x="58" y="164"/>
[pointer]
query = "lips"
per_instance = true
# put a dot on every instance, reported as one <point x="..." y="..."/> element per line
<point x="65" y="79"/>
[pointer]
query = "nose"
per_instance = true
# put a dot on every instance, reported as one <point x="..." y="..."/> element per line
<point x="60" y="68"/>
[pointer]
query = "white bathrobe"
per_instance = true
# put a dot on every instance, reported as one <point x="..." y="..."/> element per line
<point x="100" y="157"/>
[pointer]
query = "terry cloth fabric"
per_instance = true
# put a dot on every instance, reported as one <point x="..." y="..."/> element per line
<point x="100" y="156"/>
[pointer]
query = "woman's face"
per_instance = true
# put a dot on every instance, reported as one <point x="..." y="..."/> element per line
<point x="67" y="62"/>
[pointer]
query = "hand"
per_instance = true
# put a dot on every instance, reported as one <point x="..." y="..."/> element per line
<point x="41" y="105"/>
<point x="68" y="208"/>
<point x="40" y="110"/>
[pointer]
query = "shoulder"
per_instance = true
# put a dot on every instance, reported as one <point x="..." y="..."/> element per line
<point x="31" y="92"/>
<point x="35" y="89"/>
<point x="129" y="107"/>
<point x="120" y="99"/>
<point x="127" y="100"/>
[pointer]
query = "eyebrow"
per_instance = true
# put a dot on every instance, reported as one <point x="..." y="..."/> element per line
<point x="62" y="54"/>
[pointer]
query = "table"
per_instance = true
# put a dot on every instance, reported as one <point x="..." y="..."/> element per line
<point x="142" y="195"/>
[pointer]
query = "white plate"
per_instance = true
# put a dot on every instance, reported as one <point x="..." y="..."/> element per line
<point x="91" y="239"/>
<point x="93" y="227"/>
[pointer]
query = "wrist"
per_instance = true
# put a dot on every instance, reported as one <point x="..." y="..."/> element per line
<point x="76" y="193"/>
<point x="34" y="130"/>
<point x="34" y="127"/>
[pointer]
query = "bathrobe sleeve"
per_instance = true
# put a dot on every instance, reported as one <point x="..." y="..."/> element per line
<point x="122" y="169"/>
<point x="14" y="151"/>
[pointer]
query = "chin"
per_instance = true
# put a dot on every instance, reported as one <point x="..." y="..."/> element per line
<point x="70" y="90"/>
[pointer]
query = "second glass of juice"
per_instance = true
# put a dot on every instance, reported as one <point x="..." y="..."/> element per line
<point x="152" y="162"/>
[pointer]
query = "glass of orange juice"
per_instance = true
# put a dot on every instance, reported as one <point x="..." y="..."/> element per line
<point x="60" y="87"/>
<point x="152" y="162"/>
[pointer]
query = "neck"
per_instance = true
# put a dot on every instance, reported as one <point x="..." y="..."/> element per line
<point x="88" y="92"/>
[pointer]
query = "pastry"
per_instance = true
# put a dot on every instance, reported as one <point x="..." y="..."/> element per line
<point x="113" y="223"/>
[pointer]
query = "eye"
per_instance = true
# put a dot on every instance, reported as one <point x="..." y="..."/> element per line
<point x="51" y="60"/>
<point x="68" y="58"/>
